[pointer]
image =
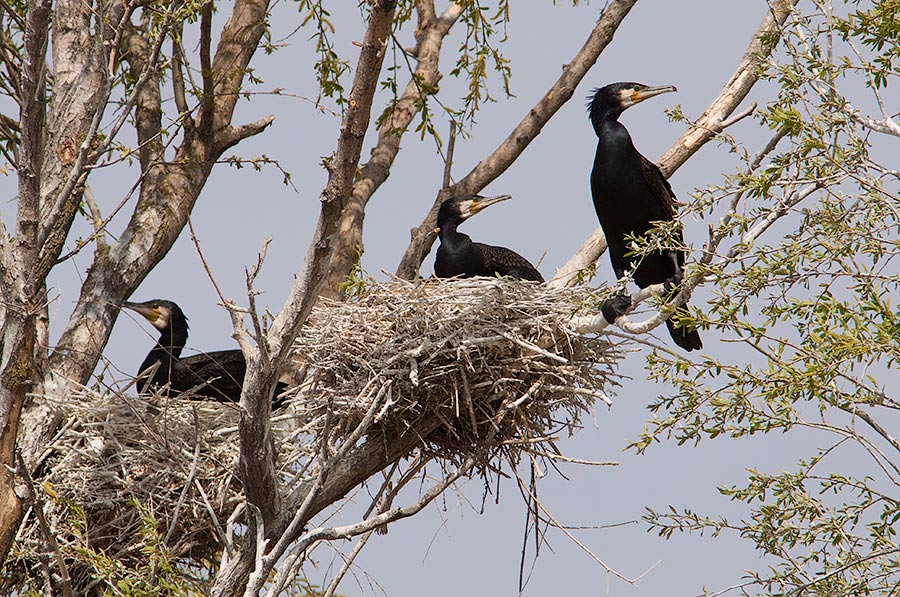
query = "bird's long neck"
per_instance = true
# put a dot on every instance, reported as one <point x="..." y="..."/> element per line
<point x="165" y="352"/>
<point x="613" y="139"/>
<point x="163" y="357"/>
<point x="451" y="238"/>
<point x="607" y="117"/>
<point x="168" y="348"/>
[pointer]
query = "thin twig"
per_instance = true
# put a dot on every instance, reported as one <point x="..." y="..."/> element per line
<point x="49" y="536"/>
<point x="448" y="163"/>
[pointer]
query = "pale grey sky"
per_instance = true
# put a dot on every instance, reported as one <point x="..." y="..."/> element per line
<point x="451" y="549"/>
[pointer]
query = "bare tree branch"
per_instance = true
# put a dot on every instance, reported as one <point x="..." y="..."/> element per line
<point x="256" y="459"/>
<point x="381" y="503"/>
<point x="37" y="505"/>
<point x="168" y="193"/>
<point x="237" y="44"/>
<point x="391" y="515"/>
<point x="334" y="198"/>
<point x="148" y="98"/>
<point x="207" y="100"/>
<point x="18" y="287"/>
<point x="430" y="35"/>
<point x="232" y="135"/>
<point x="178" y="90"/>
<point x="377" y="452"/>
<point x="712" y="122"/>
<point x="83" y="64"/>
<point x="448" y="162"/>
<point x="525" y="132"/>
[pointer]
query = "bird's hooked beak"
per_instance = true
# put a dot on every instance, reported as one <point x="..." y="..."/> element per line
<point x="639" y="95"/>
<point x="153" y="314"/>
<point x="478" y="203"/>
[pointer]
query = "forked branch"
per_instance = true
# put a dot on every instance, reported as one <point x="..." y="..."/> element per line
<point x="430" y="35"/>
<point x="255" y="454"/>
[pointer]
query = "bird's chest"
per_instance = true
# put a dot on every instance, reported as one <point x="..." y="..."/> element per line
<point x="620" y="192"/>
<point x="455" y="257"/>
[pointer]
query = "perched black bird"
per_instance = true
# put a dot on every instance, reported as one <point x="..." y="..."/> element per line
<point x="457" y="255"/>
<point x="215" y="375"/>
<point x="630" y="194"/>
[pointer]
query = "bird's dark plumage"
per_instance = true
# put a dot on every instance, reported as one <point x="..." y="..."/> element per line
<point x="215" y="375"/>
<point x="457" y="255"/>
<point x="630" y="194"/>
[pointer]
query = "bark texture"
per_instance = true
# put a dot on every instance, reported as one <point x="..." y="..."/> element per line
<point x="430" y="34"/>
<point x="58" y="144"/>
<point x="256" y="458"/>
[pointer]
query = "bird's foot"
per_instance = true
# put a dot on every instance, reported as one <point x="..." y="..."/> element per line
<point x="673" y="283"/>
<point x="615" y="307"/>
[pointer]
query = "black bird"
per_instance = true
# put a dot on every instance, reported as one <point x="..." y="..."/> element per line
<point x="630" y="194"/>
<point x="215" y="375"/>
<point x="457" y="255"/>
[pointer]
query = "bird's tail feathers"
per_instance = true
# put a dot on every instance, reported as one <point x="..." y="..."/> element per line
<point x="687" y="337"/>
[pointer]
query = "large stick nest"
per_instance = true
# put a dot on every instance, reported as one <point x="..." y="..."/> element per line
<point x="492" y="360"/>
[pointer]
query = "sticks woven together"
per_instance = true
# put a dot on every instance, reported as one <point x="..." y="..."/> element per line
<point x="493" y="362"/>
<point x="461" y="350"/>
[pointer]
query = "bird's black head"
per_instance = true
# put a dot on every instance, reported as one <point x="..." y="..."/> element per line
<point x="458" y="208"/>
<point x="613" y="99"/>
<point x="162" y="314"/>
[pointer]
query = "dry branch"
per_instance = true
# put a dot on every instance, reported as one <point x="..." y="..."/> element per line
<point x="19" y="289"/>
<point x="440" y="343"/>
<point x="256" y="462"/>
<point x="84" y="56"/>
<point x="430" y="34"/>
<point x="256" y="453"/>
<point x="168" y="193"/>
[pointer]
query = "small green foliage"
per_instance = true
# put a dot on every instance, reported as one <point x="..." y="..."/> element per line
<point x="329" y="66"/>
<point x="357" y="281"/>
<point x="479" y="54"/>
<point x="258" y="163"/>
<point x="806" y="279"/>
<point x="157" y="572"/>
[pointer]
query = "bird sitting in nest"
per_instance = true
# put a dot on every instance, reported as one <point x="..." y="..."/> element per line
<point x="631" y="194"/>
<point x="457" y="255"/>
<point x="216" y="376"/>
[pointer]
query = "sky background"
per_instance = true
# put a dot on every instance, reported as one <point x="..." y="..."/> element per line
<point x="451" y="548"/>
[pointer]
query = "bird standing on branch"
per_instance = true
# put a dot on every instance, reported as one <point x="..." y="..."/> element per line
<point x="457" y="255"/>
<point x="215" y="375"/>
<point x="631" y="194"/>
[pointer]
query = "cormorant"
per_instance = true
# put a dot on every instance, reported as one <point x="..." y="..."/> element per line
<point x="215" y="375"/>
<point x="630" y="194"/>
<point x="457" y="255"/>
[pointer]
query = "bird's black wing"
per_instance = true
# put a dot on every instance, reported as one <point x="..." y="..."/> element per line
<point x="221" y="374"/>
<point x="505" y="262"/>
<point x="661" y="188"/>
